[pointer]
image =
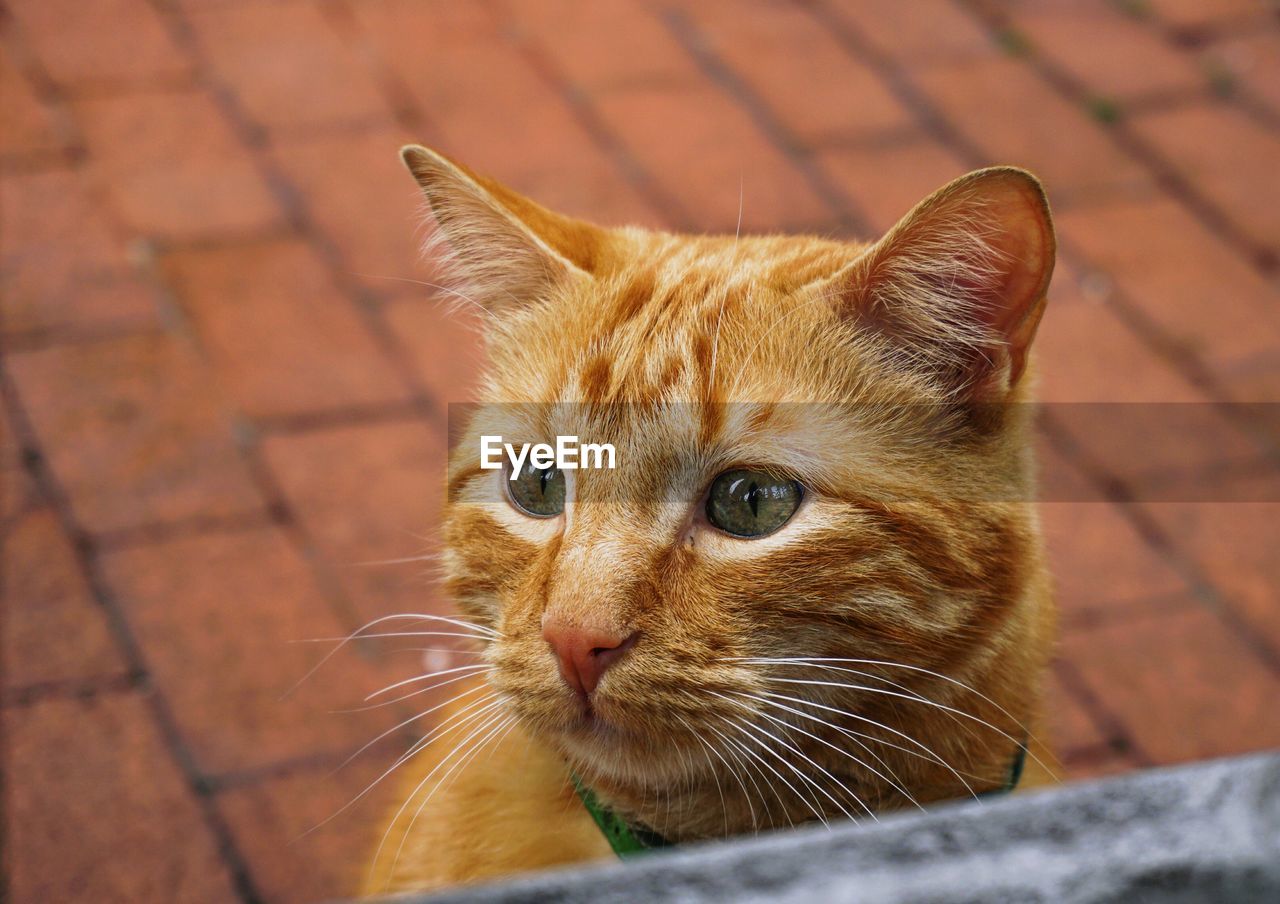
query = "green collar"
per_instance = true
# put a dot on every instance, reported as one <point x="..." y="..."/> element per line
<point x="624" y="838"/>
<point x="627" y="839"/>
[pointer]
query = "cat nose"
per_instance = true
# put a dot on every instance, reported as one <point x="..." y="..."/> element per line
<point x="585" y="653"/>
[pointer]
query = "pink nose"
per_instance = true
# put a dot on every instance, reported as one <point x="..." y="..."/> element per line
<point x="583" y="653"/>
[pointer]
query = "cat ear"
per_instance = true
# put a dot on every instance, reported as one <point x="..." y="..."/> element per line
<point x="501" y="250"/>
<point x="959" y="283"/>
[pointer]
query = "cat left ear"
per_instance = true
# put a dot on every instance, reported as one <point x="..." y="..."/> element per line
<point x="959" y="283"/>
<point x="503" y="250"/>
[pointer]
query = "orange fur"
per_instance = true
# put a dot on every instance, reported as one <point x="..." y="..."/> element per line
<point x="886" y="378"/>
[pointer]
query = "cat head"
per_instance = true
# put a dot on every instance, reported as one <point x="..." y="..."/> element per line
<point x="817" y="514"/>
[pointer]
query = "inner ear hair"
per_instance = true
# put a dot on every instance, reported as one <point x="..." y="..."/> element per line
<point x="491" y="243"/>
<point x="959" y="284"/>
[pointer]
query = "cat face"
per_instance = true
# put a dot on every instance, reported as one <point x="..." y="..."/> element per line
<point x="818" y="515"/>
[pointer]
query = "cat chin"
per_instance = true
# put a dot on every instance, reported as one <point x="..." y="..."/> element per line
<point x="624" y="759"/>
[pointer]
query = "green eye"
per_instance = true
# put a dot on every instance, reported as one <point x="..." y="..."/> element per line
<point x="752" y="503"/>
<point x="537" y="491"/>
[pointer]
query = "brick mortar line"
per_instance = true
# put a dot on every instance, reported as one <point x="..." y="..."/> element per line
<point x="304" y="226"/>
<point x="1195" y="38"/>
<point x="895" y="77"/>
<point x="43" y="86"/>
<point x="256" y="141"/>
<point x="850" y="217"/>
<point x="1182" y="562"/>
<point x="87" y="558"/>
<point x="1127" y="611"/>
<point x="583" y="109"/>
<point x="1113" y="728"/>
<point x="395" y="91"/>
<point x="1167" y="176"/>
<point x="25" y="696"/>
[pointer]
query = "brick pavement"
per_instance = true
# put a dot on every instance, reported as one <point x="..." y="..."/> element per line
<point x="223" y="397"/>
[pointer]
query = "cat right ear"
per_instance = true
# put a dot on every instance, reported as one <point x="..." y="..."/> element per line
<point x="959" y="283"/>
<point x="500" y="250"/>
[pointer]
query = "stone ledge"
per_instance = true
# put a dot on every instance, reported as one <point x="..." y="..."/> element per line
<point x="1204" y="832"/>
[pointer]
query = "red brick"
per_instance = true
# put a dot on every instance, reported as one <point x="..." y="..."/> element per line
<point x="1256" y="381"/>
<point x="886" y="181"/>
<point x="287" y="65"/>
<point x="1198" y="13"/>
<point x="1183" y="685"/>
<point x="1111" y="54"/>
<point x="280" y="336"/>
<point x="709" y="155"/>
<point x="366" y="495"/>
<point x="483" y="93"/>
<point x="1235" y="544"/>
<point x="363" y="198"/>
<point x="172" y="167"/>
<point x="97" y="811"/>
<point x="1003" y="107"/>
<point x="1069" y="725"/>
<point x="1252" y="61"/>
<point x="1130" y="410"/>
<point x="1101" y="564"/>
<point x="111" y="303"/>
<point x="53" y="629"/>
<point x="116" y="42"/>
<point x="1060" y="477"/>
<point x="30" y="127"/>
<point x="1119" y="366"/>
<point x="223" y="620"/>
<point x="444" y="341"/>
<point x="924" y="31"/>
<point x="1228" y="157"/>
<point x="808" y="80"/>
<point x="293" y="857"/>
<point x="56" y="239"/>
<point x="133" y="432"/>
<point x="581" y="38"/>
<point x="1181" y="276"/>
<point x="1096" y="765"/>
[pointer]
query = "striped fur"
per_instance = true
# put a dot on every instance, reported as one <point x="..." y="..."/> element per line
<point x="880" y="377"/>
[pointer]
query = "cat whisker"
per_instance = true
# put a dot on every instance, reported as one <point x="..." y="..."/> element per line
<point x="707" y="750"/>
<point x="755" y="823"/>
<point x="914" y="698"/>
<point x="800" y="662"/>
<point x="821" y="661"/>
<point x="906" y="737"/>
<point x="400" y="761"/>
<point x="798" y="752"/>
<point x="453" y="651"/>
<point x="485" y="723"/>
<point x="416" y="678"/>
<point x="382" y="635"/>
<point x="812" y="803"/>
<point x="754" y="760"/>
<point x="503" y="722"/>
<point x="426" y="712"/>
<point x="858" y="737"/>
<point x="877" y="773"/>
<point x="358" y="634"/>
<point x="401" y="699"/>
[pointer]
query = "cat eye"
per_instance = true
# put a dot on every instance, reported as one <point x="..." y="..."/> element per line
<point x="748" y="503"/>
<point x="536" y="491"/>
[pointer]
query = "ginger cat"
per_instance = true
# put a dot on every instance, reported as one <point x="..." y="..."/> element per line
<point x="813" y="586"/>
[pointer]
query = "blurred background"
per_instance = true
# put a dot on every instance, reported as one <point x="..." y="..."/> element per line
<point x="224" y="396"/>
